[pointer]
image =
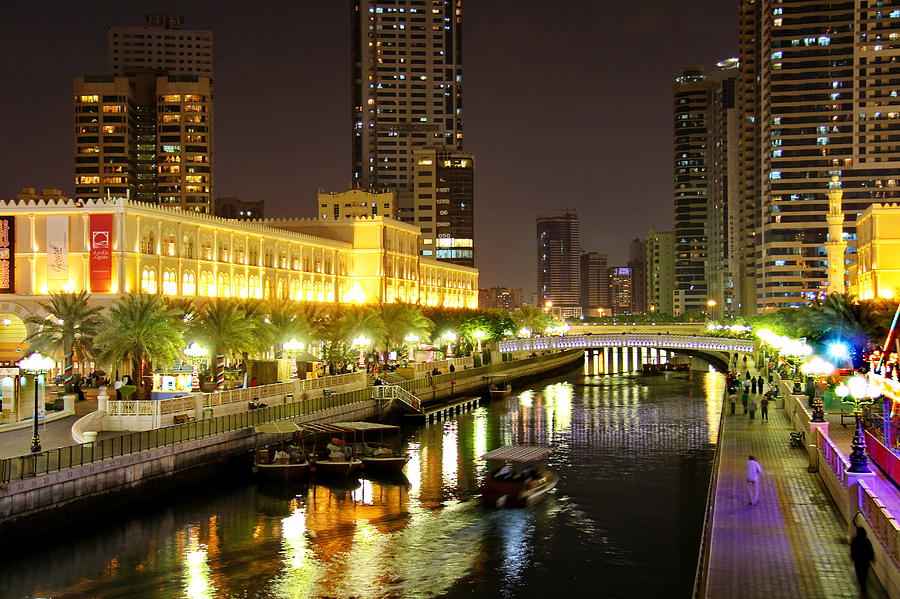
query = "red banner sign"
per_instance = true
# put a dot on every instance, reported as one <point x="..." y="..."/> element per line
<point x="101" y="253"/>
<point x="7" y="254"/>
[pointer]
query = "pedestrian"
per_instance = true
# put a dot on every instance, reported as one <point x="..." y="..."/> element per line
<point x="746" y="374"/>
<point x="753" y="385"/>
<point x="732" y="399"/>
<point x="861" y="553"/>
<point x="754" y="471"/>
<point x="759" y="383"/>
<point x="764" y="407"/>
<point x="752" y="408"/>
<point x="745" y="399"/>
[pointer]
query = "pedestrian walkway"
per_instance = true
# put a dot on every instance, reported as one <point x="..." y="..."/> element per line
<point x="792" y="544"/>
<point x="53" y="435"/>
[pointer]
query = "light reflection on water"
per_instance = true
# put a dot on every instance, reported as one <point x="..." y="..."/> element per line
<point x="633" y="454"/>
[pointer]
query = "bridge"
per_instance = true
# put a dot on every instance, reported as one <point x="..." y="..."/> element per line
<point x="634" y="349"/>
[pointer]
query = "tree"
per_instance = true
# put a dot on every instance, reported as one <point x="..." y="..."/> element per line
<point x="142" y="330"/>
<point x="224" y="326"/>
<point x="400" y="320"/>
<point x="532" y="318"/>
<point x="70" y="326"/>
<point x="285" y="323"/>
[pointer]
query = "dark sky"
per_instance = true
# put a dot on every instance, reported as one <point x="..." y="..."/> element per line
<point x="566" y="105"/>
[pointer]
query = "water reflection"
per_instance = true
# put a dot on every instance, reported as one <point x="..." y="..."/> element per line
<point x="633" y="454"/>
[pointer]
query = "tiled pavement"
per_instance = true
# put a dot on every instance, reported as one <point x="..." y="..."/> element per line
<point x="53" y="434"/>
<point x="792" y="543"/>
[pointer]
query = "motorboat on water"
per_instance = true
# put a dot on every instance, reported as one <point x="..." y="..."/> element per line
<point x="376" y="456"/>
<point x="518" y="477"/>
<point x="336" y="457"/>
<point x="284" y="459"/>
<point x="498" y="386"/>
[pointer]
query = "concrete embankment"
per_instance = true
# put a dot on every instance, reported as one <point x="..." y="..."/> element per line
<point x="122" y="470"/>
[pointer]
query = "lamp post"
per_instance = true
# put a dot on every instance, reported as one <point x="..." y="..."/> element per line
<point x="858" y="387"/>
<point x="361" y="342"/>
<point x="196" y="355"/>
<point x="412" y="339"/>
<point x="817" y="367"/>
<point x="292" y="348"/>
<point x="449" y="337"/>
<point x="36" y="365"/>
<point x="478" y="336"/>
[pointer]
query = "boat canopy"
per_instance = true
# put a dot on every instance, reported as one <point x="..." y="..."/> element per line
<point x="517" y="453"/>
<point x="366" y="426"/>
<point x="281" y="427"/>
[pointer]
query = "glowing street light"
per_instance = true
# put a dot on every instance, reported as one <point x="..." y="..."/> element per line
<point x="36" y="365"/>
<point x="524" y="332"/>
<point x="196" y="355"/>
<point x="859" y="388"/>
<point x="478" y="336"/>
<point x="450" y="338"/>
<point x="361" y="342"/>
<point x="292" y="348"/>
<point x="412" y="339"/>
<point x="817" y="367"/>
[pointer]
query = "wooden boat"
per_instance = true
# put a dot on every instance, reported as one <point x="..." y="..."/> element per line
<point x="499" y="386"/>
<point x="375" y="456"/>
<point x="282" y="460"/>
<point x="518" y="477"/>
<point x="336" y="457"/>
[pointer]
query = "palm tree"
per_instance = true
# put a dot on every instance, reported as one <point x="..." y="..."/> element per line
<point x="400" y="320"/>
<point x="839" y="316"/>
<point x="284" y="322"/>
<point x="70" y="326"/>
<point x="223" y="325"/>
<point x="532" y="318"/>
<point x="142" y="330"/>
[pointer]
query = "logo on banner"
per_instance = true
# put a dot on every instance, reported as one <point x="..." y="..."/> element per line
<point x="100" y="239"/>
<point x="101" y="256"/>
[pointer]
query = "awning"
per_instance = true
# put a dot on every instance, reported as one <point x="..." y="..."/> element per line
<point x="366" y="426"/>
<point x="517" y="453"/>
<point x="281" y="427"/>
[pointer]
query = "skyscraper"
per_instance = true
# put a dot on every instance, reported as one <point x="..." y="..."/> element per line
<point x="660" y="271"/>
<point x="407" y="94"/>
<point x="620" y="290"/>
<point x="147" y="130"/>
<point x="559" y="264"/>
<point x="826" y="105"/>
<point x="637" y="263"/>
<point x="594" y="284"/>
<point x="443" y="185"/>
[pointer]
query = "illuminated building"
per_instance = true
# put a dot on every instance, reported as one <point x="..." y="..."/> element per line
<point x="30" y="193"/>
<point x="107" y="247"/>
<point x="620" y="292"/>
<point x="240" y="209"/>
<point x="444" y="209"/>
<point x="559" y="263"/>
<point x="146" y="131"/>
<point x="825" y="105"/>
<point x="660" y="271"/>
<point x="637" y="262"/>
<point x="876" y="271"/>
<point x="356" y="203"/>
<point x="500" y="298"/>
<point x="594" y="284"/>
<point x="406" y="90"/>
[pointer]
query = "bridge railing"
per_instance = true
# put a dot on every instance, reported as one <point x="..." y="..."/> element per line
<point x="659" y="340"/>
<point x="390" y="392"/>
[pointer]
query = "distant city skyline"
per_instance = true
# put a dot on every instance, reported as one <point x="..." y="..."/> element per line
<point x="562" y="109"/>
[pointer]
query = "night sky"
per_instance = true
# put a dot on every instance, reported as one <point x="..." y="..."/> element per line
<point x="566" y="105"/>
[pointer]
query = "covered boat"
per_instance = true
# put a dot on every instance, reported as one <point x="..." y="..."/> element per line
<point x="517" y="477"/>
<point x="376" y="456"/>
<point x="284" y="459"/>
<point x="498" y="386"/>
<point x="336" y="457"/>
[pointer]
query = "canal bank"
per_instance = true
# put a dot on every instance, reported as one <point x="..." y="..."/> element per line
<point x="54" y="486"/>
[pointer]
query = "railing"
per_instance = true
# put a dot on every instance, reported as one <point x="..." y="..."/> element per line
<point x="882" y="524"/>
<point x="391" y="392"/>
<point x="29" y="466"/>
<point x="659" y="340"/>
<point x="836" y="460"/>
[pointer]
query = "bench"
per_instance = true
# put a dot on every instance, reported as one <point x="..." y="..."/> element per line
<point x="183" y="418"/>
<point x="848" y="410"/>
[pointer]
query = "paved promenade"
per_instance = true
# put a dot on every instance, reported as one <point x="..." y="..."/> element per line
<point x="53" y="434"/>
<point x="792" y="544"/>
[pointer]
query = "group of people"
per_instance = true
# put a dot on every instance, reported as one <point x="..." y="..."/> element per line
<point x="755" y="392"/>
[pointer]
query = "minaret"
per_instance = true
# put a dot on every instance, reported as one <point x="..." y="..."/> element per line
<point x="835" y="246"/>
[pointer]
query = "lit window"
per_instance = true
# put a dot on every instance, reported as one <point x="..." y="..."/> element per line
<point x="148" y="280"/>
<point x="170" y="282"/>
<point x="188" y="283"/>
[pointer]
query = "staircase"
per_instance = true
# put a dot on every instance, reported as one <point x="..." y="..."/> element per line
<point x="389" y="393"/>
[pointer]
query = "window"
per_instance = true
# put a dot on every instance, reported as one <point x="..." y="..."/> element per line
<point x="188" y="283"/>
<point x="148" y="279"/>
<point x="170" y="282"/>
<point x="224" y="287"/>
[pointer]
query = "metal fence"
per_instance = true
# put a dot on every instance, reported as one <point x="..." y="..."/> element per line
<point x="54" y="460"/>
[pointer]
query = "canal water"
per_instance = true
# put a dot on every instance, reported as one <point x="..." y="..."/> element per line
<point x="634" y="455"/>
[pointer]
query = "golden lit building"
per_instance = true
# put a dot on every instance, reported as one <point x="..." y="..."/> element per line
<point x="356" y="203"/>
<point x="107" y="247"/>
<point x="876" y="272"/>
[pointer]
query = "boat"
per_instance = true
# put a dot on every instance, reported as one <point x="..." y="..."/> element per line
<point x="375" y="456"/>
<point x="498" y="386"/>
<point x="518" y="477"/>
<point x="336" y="458"/>
<point x="283" y="460"/>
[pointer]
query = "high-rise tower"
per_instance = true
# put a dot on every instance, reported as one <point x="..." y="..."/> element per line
<point x="406" y="92"/>
<point x="559" y="263"/>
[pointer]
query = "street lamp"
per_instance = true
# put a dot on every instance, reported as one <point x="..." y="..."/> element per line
<point x="412" y="339"/>
<point x="362" y="342"/>
<point x="36" y="365"/>
<point x="860" y="390"/>
<point x="817" y="367"/>
<point x="293" y="348"/>
<point x="478" y="336"/>
<point x="196" y="355"/>
<point x="449" y="337"/>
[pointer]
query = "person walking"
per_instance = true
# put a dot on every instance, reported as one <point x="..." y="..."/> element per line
<point x="754" y="471"/>
<point x="753" y="385"/>
<point x="764" y="408"/>
<point x="759" y="383"/>
<point x="752" y="408"/>
<point x="862" y="554"/>
<point x="732" y="400"/>
<point x="745" y="399"/>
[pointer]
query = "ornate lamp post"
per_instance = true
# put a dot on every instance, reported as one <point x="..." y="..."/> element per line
<point x="449" y="337"/>
<point x="478" y="336"/>
<point x="36" y="365"/>
<point x="292" y="348"/>
<point x="412" y="339"/>
<point x="197" y="355"/>
<point x="861" y="391"/>
<point x="817" y="367"/>
<point x="361" y="342"/>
